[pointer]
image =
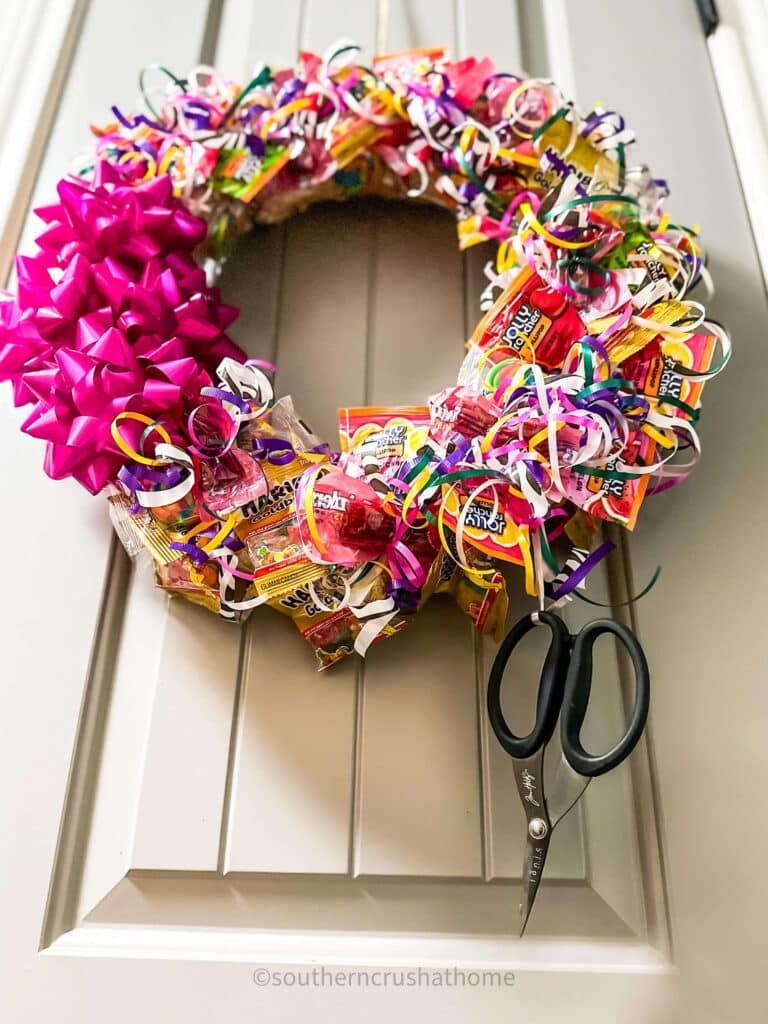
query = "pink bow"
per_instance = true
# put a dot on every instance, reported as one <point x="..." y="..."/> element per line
<point x="111" y="314"/>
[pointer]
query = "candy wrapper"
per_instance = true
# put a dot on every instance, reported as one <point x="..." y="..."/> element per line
<point x="343" y="613"/>
<point x="341" y="519"/>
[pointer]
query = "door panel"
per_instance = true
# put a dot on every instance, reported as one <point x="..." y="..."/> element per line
<point x="249" y="761"/>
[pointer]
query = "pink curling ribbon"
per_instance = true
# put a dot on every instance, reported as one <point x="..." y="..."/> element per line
<point x="112" y="314"/>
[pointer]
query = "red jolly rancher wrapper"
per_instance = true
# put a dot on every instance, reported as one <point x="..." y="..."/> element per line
<point x="533" y="321"/>
<point x="658" y="371"/>
<point x="616" y="500"/>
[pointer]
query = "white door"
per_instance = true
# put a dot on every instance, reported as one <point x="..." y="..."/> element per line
<point x="189" y="809"/>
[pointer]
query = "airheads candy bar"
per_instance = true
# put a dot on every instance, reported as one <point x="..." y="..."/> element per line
<point x="532" y="321"/>
<point x="656" y="370"/>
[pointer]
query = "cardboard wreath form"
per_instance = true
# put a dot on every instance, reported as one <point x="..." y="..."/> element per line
<point x="579" y="394"/>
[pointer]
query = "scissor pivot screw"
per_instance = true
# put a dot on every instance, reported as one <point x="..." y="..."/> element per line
<point x="537" y="828"/>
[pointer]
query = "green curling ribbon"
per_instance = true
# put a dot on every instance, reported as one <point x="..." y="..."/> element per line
<point x="584" y="261"/>
<point x="572" y="204"/>
<point x="612" y="384"/>
<point x="264" y="77"/>
<point x="630" y="600"/>
<point x="469" y="172"/>
<point x="181" y="82"/>
<point x="605" y="474"/>
<point x="548" y="124"/>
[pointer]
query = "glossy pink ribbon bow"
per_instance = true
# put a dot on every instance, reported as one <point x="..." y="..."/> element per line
<point x="111" y="314"/>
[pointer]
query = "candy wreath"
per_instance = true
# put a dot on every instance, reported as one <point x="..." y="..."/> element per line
<point x="578" y="397"/>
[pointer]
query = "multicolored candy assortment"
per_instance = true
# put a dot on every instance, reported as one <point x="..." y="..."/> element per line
<point x="579" y="394"/>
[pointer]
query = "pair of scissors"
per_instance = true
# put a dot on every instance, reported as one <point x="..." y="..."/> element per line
<point x="564" y="690"/>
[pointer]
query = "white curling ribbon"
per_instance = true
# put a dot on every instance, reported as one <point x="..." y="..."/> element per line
<point x="227" y="582"/>
<point x="246" y="381"/>
<point x="328" y="123"/>
<point x="319" y="603"/>
<point x="723" y="338"/>
<point x="655" y="291"/>
<point x="537" y="500"/>
<point x="539" y="383"/>
<point x="171" y="455"/>
<point x="497" y="282"/>
<point x="418" y="117"/>
<point x="421" y="170"/>
<point x="485" y="148"/>
<point x="344" y="48"/>
<point x="675" y="424"/>
<point x="370" y="630"/>
<point x="364" y="111"/>
<point x="374" y="615"/>
<point x="610" y="143"/>
<point x="447" y="186"/>
<point x="685" y="331"/>
<point x="554" y="454"/>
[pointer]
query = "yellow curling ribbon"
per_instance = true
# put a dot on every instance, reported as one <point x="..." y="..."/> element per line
<point x="467" y="138"/>
<point x="123" y="445"/>
<point x="172" y="154"/>
<point x="415" y="489"/>
<point x="543" y="435"/>
<point x="283" y="113"/>
<point x="506" y="257"/>
<point x="225" y="528"/>
<point x="658" y="436"/>
<point x="135" y="156"/>
<point x="487" y="443"/>
<point x="519" y="158"/>
<point x="399" y="108"/>
<point x="539" y="228"/>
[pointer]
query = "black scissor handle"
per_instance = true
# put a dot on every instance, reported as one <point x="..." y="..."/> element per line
<point x="550" y="695"/>
<point x="578" y="685"/>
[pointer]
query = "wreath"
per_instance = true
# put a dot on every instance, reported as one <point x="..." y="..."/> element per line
<point x="579" y="394"/>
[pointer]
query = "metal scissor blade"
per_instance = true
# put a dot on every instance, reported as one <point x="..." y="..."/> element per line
<point x="533" y="868"/>
<point x="529" y="777"/>
<point x="566" y="789"/>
